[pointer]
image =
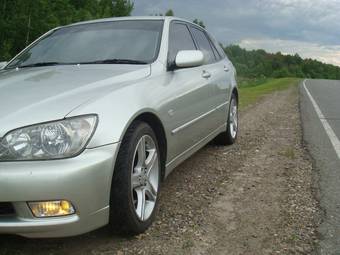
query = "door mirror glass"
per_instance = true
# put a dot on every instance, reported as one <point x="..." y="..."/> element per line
<point x="189" y="58"/>
<point x="2" y="65"/>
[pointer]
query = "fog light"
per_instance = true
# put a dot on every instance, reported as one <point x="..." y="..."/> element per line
<point x="51" y="208"/>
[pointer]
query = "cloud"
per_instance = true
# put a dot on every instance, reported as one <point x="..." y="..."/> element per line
<point x="315" y="24"/>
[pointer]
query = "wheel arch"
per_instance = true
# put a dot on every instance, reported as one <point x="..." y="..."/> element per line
<point x="236" y="93"/>
<point x="156" y="124"/>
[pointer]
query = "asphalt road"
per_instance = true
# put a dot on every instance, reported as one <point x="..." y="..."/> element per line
<point x="320" y="111"/>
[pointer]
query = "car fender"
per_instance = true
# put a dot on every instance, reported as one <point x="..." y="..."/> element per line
<point x="116" y="111"/>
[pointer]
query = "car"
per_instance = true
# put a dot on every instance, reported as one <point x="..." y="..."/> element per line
<point x="95" y="115"/>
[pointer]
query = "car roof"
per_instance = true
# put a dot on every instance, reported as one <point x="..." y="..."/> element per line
<point x="131" y="18"/>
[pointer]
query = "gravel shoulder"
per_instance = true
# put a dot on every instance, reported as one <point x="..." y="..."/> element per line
<point x="255" y="197"/>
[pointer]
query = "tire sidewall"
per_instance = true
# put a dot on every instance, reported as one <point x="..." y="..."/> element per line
<point x="141" y="130"/>
<point x="230" y="137"/>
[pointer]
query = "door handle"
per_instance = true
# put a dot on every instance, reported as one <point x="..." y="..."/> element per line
<point x="206" y="74"/>
<point x="226" y="69"/>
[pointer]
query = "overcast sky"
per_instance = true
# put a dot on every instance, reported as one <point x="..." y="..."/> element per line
<point x="310" y="28"/>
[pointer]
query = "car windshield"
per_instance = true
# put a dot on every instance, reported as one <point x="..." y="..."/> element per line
<point x="114" y="42"/>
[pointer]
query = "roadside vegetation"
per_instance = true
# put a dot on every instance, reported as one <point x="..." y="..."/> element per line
<point x="251" y="91"/>
<point x="260" y="64"/>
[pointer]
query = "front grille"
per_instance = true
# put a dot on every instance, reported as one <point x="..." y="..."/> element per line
<point x="6" y="209"/>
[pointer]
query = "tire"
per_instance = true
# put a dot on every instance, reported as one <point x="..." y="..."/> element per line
<point x="136" y="181"/>
<point x="229" y="136"/>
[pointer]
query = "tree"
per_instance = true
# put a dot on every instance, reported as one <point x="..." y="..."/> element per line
<point x="121" y="8"/>
<point x="169" y="13"/>
<point x="199" y="22"/>
<point x="22" y="21"/>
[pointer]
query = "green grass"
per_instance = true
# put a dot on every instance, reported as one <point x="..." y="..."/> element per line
<point x="251" y="92"/>
<point x="288" y="153"/>
<point x="245" y="82"/>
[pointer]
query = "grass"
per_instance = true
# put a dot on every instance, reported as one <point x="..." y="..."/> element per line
<point x="245" y="82"/>
<point x="250" y="92"/>
<point x="288" y="153"/>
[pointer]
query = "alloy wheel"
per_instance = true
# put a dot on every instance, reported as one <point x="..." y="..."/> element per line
<point x="233" y="118"/>
<point x="145" y="177"/>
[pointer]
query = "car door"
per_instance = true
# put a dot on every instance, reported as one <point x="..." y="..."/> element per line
<point x="218" y="69"/>
<point x="222" y="91"/>
<point x="190" y="108"/>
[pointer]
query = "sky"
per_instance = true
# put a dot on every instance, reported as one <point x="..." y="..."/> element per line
<point x="310" y="28"/>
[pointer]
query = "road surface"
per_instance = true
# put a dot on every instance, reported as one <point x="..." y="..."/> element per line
<point x="320" y="111"/>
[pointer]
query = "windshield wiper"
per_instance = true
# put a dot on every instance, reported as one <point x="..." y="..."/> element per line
<point x="116" y="61"/>
<point x="42" y="64"/>
<point x="105" y="61"/>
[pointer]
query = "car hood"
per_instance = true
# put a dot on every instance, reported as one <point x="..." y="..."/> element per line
<point x="34" y="95"/>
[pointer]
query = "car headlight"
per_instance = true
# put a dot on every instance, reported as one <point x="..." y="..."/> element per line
<point x="53" y="140"/>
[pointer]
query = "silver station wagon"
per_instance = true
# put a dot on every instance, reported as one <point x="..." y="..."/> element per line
<point x="95" y="115"/>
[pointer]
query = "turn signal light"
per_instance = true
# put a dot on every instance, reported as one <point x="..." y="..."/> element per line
<point x="51" y="208"/>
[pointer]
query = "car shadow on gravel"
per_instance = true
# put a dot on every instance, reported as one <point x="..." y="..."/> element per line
<point x="12" y="244"/>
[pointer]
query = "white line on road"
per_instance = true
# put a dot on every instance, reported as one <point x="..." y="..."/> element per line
<point x="331" y="135"/>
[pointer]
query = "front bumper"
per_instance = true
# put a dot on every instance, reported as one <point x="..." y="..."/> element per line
<point x="85" y="181"/>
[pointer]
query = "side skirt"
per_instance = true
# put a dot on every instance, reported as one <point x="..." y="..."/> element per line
<point x="189" y="152"/>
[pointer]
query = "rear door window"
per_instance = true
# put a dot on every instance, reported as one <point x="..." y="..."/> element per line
<point x="203" y="44"/>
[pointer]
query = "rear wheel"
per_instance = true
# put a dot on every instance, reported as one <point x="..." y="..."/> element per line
<point x="136" y="181"/>
<point x="229" y="136"/>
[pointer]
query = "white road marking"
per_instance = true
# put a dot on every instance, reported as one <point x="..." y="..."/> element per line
<point x="331" y="135"/>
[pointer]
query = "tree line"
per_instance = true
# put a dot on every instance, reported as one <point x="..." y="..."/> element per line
<point x="259" y="63"/>
<point x="22" y="21"/>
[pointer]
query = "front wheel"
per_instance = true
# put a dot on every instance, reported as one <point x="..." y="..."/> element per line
<point x="229" y="136"/>
<point x="136" y="181"/>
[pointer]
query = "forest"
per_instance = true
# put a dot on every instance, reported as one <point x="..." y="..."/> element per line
<point x="259" y="63"/>
<point x="22" y="21"/>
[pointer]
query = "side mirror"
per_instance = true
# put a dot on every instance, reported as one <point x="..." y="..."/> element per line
<point x="2" y="65"/>
<point x="189" y="58"/>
